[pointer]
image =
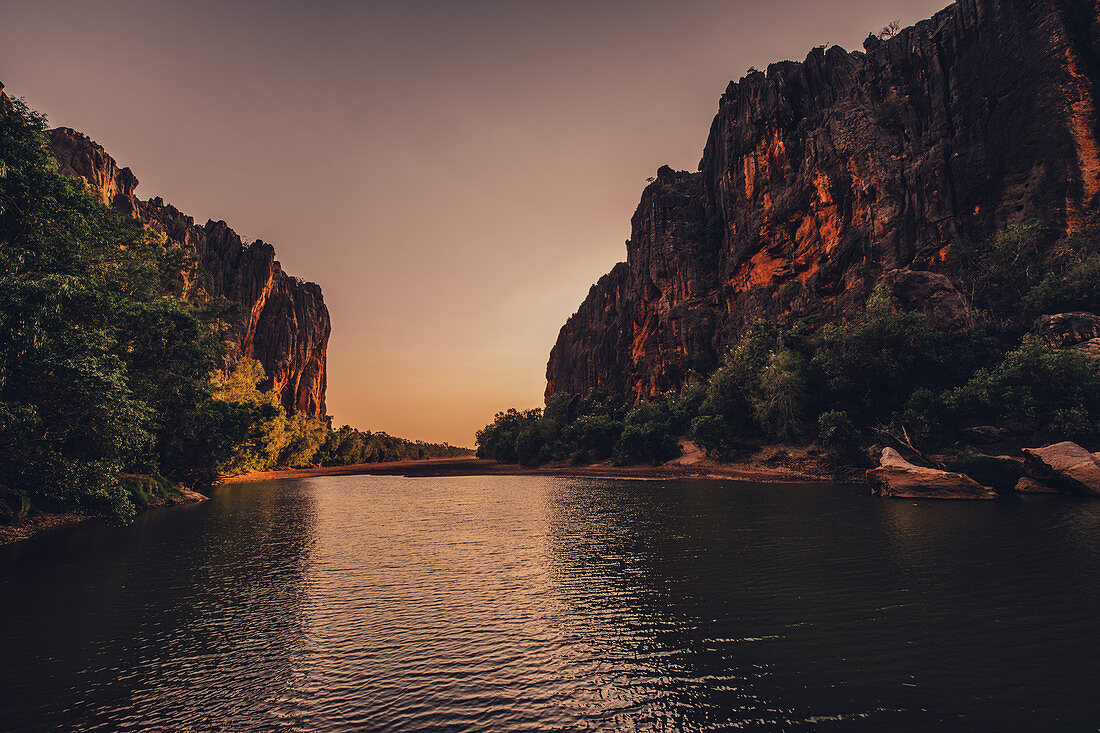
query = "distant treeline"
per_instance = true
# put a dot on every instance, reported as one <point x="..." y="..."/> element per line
<point x="110" y="369"/>
<point x="889" y="376"/>
<point x="275" y="438"/>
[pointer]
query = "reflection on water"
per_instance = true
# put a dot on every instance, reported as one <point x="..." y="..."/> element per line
<point x="534" y="603"/>
<point x="114" y="629"/>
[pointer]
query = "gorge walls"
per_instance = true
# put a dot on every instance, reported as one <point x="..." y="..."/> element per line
<point x="281" y="321"/>
<point x="818" y="178"/>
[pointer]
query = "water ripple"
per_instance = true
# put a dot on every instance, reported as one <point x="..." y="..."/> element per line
<point x="538" y="603"/>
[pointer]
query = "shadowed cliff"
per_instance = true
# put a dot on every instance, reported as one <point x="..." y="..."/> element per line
<point x="819" y="178"/>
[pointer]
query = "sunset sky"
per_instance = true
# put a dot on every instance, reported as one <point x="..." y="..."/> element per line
<point x="455" y="175"/>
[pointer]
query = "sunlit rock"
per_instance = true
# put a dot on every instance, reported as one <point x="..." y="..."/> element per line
<point x="897" y="477"/>
<point x="1066" y="466"/>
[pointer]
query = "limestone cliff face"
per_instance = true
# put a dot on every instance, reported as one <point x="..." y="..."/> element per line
<point x="283" y="321"/>
<point x="820" y="177"/>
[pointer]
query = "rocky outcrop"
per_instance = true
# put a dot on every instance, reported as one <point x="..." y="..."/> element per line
<point x="281" y="321"/>
<point x="930" y="292"/>
<point x="1064" y="330"/>
<point x="987" y="434"/>
<point x="898" y="478"/>
<point x="1090" y="347"/>
<point x="78" y="155"/>
<point x="671" y="327"/>
<point x="1064" y="466"/>
<point x="819" y="178"/>
<point x="1028" y="485"/>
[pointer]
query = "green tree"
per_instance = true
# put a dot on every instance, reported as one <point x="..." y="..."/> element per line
<point x="997" y="274"/>
<point x="100" y="356"/>
<point x="1057" y="391"/>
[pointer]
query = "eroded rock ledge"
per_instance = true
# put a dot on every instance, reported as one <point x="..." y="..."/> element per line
<point x="897" y="477"/>
<point x="1063" y="468"/>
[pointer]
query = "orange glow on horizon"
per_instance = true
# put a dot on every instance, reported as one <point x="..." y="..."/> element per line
<point x="454" y="176"/>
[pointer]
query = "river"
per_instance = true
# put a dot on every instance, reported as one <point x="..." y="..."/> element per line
<point x="510" y="603"/>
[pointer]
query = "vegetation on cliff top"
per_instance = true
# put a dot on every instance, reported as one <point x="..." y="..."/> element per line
<point x="108" y="372"/>
<point x="888" y="376"/>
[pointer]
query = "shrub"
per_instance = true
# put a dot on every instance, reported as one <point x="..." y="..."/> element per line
<point x="725" y="398"/>
<point x="872" y="368"/>
<point x="1072" y="277"/>
<point x="1058" y="390"/>
<point x="712" y="434"/>
<point x="646" y="442"/>
<point x="145" y="489"/>
<point x="649" y="434"/>
<point x="924" y="419"/>
<point x="14" y="506"/>
<point x="500" y="439"/>
<point x="840" y="439"/>
<point x="780" y="402"/>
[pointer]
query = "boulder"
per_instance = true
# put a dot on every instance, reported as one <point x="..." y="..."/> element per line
<point x="188" y="496"/>
<point x="1063" y="330"/>
<point x="897" y="477"/>
<point x="930" y="292"/>
<point x="987" y="434"/>
<point x="1027" y="485"/>
<point x="1066" y="466"/>
<point x="1090" y="347"/>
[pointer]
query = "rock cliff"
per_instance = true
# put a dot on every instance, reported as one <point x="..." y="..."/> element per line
<point x="282" y="321"/>
<point x="820" y="177"/>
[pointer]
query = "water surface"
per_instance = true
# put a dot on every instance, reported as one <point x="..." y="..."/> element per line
<point x="546" y="603"/>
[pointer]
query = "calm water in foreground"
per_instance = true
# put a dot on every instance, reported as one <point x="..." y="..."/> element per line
<point x="537" y="603"/>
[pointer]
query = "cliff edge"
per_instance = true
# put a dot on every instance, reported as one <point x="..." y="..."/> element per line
<point x="283" y="322"/>
<point x="820" y="177"/>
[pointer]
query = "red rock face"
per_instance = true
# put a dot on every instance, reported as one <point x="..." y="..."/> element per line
<point x="283" y="321"/>
<point x="819" y="177"/>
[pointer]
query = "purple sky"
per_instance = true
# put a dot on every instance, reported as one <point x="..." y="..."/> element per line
<point x="454" y="174"/>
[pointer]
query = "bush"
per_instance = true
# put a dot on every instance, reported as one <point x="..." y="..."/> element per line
<point x="872" y="368"/>
<point x="996" y="275"/>
<point x="647" y="443"/>
<point x="780" y="402"/>
<point x="595" y="435"/>
<point x="1072" y="278"/>
<point x="144" y="490"/>
<point x="1059" y="391"/>
<point x="499" y="439"/>
<point x="924" y="419"/>
<point x="724" y="397"/>
<point x="712" y="434"/>
<point x="840" y="439"/>
<point x="14" y="507"/>
<point x="528" y="444"/>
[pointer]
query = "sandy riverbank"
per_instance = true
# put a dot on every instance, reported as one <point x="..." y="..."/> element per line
<point x="770" y="465"/>
<point x="773" y="467"/>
